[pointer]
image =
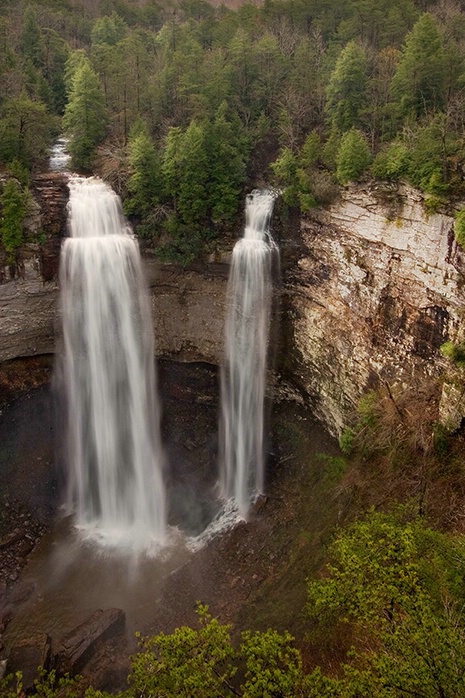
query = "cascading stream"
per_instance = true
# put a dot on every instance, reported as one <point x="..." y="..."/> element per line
<point x="243" y="378"/>
<point x="114" y="453"/>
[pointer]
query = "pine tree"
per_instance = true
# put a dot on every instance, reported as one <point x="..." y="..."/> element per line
<point x="346" y="92"/>
<point x="31" y="42"/>
<point x="144" y="184"/>
<point x="85" y="116"/>
<point x="13" y="211"/>
<point x="353" y="157"/>
<point x="419" y="83"/>
<point x="227" y="167"/>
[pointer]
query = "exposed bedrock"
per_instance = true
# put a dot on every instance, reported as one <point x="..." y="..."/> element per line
<point x="371" y="288"/>
<point x="377" y="288"/>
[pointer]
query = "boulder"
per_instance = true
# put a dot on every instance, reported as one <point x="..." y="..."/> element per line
<point x="75" y="649"/>
<point x="27" y="656"/>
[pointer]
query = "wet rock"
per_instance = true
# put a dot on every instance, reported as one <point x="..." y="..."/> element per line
<point x="27" y="655"/>
<point x="21" y="593"/>
<point x="11" y="538"/>
<point x="259" y="504"/>
<point x="5" y="617"/>
<point x="76" y="648"/>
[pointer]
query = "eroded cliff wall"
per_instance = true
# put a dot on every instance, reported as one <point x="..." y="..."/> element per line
<point x="377" y="288"/>
<point x="371" y="288"/>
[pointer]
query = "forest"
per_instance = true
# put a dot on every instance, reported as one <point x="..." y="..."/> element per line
<point x="182" y="107"/>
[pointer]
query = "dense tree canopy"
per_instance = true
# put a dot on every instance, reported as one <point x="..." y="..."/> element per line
<point x="245" y="88"/>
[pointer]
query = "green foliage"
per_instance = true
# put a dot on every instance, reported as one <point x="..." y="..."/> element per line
<point x="419" y="82"/>
<point x="144" y="184"/>
<point x="109" y="30"/>
<point x="335" y="467"/>
<point x="400" y="585"/>
<point x="46" y="685"/>
<point x="273" y="666"/>
<point x="85" y="115"/>
<point x="186" y="663"/>
<point x="454" y="352"/>
<point x="346" y="440"/>
<point x="227" y="157"/>
<point x="428" y="150"/>
<point x="13" y="212"/>
<point x="391" y="163"/>
<point x="459" y="227"/>
<point x="192" y="201"/>
<point x="346" y="91"/>
<point x="285" y="171"/>
<point x="298" y="177"/>
<point x="353" y="157"/>
<point x="25" y="131"/>
<point x="280" y="72"/>
<point x="31" y="43"/>
<point x="20" y="172"/>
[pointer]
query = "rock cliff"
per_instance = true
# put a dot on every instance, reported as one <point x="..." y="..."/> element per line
<point x="28" y="288"/>
<point x="377" y="288"/>
<point x="371" y="288"/>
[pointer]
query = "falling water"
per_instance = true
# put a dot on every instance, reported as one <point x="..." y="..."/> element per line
<point x="244" y="373"/>
<point x="115" y="483"/>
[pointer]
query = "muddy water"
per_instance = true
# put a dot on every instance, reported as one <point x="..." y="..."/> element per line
<point x="243" y="574"/>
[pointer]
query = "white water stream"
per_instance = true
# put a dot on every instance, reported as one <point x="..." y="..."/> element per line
<point x="114" y="453"/>
<point x="243" y="377"/>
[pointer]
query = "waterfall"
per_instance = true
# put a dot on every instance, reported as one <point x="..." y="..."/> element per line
<point x="243" y="377"/>
<point x="114" y="453"/>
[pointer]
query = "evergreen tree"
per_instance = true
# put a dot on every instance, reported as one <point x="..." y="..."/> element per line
<point x="31" y="42"/>
<point x="353" y="157"/>
<point x="227" y="156"/>
<point x="56" y="53"/>
<point x="13" y="212"/>
<point x="419" y="83"/>
<point x="144" y="185"/>
<point x="346" y="93"/>
<point x="171" y="164"/>
<point x="109" y="30"/>
<point x="85" y="116"/>
<point x="194" y="171"/>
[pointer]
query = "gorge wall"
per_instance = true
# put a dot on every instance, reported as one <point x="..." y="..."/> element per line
<point x="378" y="286"/>
<point x="371" y="288"/>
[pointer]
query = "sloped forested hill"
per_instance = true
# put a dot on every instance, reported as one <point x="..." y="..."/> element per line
<point x="180" y="104"/>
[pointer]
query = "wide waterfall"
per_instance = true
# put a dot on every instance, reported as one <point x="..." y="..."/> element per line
<point x="114" y="453"/>
<point x="243" y="378"/>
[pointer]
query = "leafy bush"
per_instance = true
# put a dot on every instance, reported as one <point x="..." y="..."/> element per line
<point x="399" y="584"/>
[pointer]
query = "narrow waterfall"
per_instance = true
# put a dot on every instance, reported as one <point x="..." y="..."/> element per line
<point x="114" y="453"/>
<point x="243" y="377"/>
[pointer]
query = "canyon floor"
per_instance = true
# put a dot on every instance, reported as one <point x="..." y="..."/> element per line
<point x="252" y="575"/>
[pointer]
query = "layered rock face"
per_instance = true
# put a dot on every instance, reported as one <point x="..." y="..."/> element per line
<point x="28" y="288"/>
<point x="378" y="288"/>
<point x="372" y="286"/>
<point x="188" y="310"/>
<point x="188" y="305"/>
